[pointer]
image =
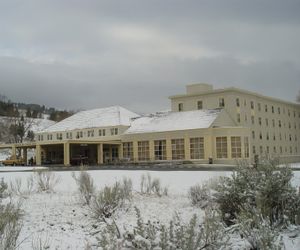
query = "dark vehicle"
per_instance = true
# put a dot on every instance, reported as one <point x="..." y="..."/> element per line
<point x="79" y="160"/>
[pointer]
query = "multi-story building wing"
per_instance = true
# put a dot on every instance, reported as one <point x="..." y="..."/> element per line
<point x="205" y="125"/>
<point x="274" y="123"/>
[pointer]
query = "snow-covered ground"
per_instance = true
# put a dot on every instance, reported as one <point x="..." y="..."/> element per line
<point x="60" y="220"/>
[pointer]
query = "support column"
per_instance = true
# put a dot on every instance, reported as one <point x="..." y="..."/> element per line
<point x="229" y="147"/>
<point x="13" y="151"/>
<point x="25" y="155"/>
<point x="120" y="151"/>
<point x="151" y="150"/>
<point x="135" y="151"/>
<point x="209" y="144"/>
<point x="243" y="147"/>
<point x="187" y="152"/>
<point x="99" y="153"/>
<point x="67" y="154"/>
<point x="38" y="157"/>
<point x="169" y="149"/>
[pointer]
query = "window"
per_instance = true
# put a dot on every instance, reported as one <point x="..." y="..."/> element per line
<point x="200" y="105"/>
<point x="289" y="114"/>
<point x="268" y="150"/>
<point x="266" y="108"/>
<point x="236" y="147"/>
<point x="260" y="135"/>
<point x="267" y="122"/>
<point x="221" y="146"/>
<point x="253" y="134"/>
<point x="274" y="150"/>
<point x="197" y="148"/>
<point x="160" y="151"/>
<point x="261" y="149"/>
<point x="273" y="109"/>
<point x="252" y="119"/>
<point x="90" y="133"/>
<point x="221" y="102"/>
<point x="237" y="102"/>
<point x="259" y="106"/>
<point x="253" y="150"/>
<point x="252" y="105"/>
<point x="280" y="148"/>
<point x="101" y="132"/>
<point x="143" y="150"/>
<point x="274" y="137"/>
<point x="238" y="118"/>
<point x="279" y="110"/>
<point x="177" y="149"/>
<point x="114" y="131"/>
<point x="246" y="147"/>
<point x="267" y="136"/>
<point x="279" y="124"/>
<point x="259" y="121"/>
<point x="128" y="151"/>
<point x="180" y="107"/>
<point x="273" y="123"/>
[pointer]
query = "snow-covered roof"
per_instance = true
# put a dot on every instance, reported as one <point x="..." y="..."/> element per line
<point x="171" y="121"/>
<point x="102" y="117"/>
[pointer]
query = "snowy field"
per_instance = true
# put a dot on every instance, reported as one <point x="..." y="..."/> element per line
<point x="60" y="221"/>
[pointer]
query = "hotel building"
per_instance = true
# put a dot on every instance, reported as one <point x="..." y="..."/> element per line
<point x="205" y="125"/>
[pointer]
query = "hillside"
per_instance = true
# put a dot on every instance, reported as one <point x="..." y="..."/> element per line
<point x="16" y="109"/>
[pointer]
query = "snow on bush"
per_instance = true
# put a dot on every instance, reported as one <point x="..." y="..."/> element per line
<point x="175" y="235"/>
<point x="149" y="186"/>
<point x="259" y="232"/>
<point x="266" y="189"/>
<point x="10" y="221"/>
<point x="45" y="180"/>
<point x="110" y="198"/>
<point x="85" y="185"/>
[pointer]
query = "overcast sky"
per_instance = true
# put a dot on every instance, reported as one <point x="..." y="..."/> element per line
<point x="79" y="54"/>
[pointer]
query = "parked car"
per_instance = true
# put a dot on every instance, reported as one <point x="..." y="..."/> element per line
<point x="12" y="161"/>
<point x="79" y="160"/>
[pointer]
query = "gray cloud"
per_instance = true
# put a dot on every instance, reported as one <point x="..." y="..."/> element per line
<point x="84" y="54"/>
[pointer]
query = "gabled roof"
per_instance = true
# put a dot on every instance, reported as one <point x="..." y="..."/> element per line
<point x="94" y="118"/>
<point x="172" y="121"/>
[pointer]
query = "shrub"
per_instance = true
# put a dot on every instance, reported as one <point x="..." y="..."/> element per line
<point x="109" y="199"/>
<point x="85" y="186"/>
<point x="40" y="242"/>
<point x="200" y="195"/>
<point x="45" y="180"/>
<point x="152" y="186"/>
<point x="3" y="189"/>
<point x="265" y="189"/>
<point x="259" y="232"/>
<point x="175" y="235"/>
<point x="10" y="221"/>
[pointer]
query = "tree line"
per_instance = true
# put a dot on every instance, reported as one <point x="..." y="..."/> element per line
<point x="15" y="109"/>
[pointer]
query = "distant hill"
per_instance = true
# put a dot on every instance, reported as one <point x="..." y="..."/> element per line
<point x="15" y="109"/>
